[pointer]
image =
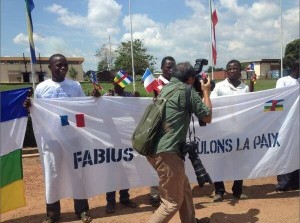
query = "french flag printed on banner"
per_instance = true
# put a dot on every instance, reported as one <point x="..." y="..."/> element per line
<point x="150" y="83"/>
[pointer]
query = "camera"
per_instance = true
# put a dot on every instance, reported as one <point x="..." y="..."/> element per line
<point x="199" y="63"/>
<point x="203" y="177"/>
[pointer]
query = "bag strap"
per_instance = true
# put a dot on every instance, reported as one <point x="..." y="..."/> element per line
<point x="169" y="94"/>
<point x="188" y="90"/>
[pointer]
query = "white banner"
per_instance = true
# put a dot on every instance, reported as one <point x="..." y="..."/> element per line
<point x="85" y="143"/>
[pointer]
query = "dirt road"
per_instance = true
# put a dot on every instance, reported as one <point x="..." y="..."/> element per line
<point x="264" y="204"/>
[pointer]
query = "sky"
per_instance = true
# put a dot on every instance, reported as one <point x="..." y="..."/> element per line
<point x="247" y="30"/>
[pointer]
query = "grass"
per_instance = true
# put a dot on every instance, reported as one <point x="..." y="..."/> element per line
<point x="262" y="84"/>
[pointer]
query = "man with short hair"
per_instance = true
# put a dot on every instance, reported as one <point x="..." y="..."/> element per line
<point x="168" y="159"/>
<point x="232" y="85"/>
<point x="60" y="87"/>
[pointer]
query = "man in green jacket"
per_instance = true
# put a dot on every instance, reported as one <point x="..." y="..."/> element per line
<point x="174" y="186"/>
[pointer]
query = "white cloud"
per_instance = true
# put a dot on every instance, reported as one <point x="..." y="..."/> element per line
<point x="101" y="18"/>
<point x="244" y="31"/>
<point x="22" y="39"/>
<point x="263" y="10"/>
<point x="140" y="22"/>
<point x="65" y="17"/>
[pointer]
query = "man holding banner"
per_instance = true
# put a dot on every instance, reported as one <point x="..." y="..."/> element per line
<point x="232" y="85"/>
<point x="289" y="181"/>
<point x="124" y="193"/>
<point x="59" y="87"/>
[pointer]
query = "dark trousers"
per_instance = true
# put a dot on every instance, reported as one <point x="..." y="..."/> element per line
<point x="53" y="209"/>
<point x="111" y="196"/>
<point x="237" y="187"/>
<point x="288" y="181"/>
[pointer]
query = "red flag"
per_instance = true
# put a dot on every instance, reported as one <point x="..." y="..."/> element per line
<point x="214" y="21"/>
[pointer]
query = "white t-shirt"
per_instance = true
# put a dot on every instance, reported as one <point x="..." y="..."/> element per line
<point x="225" y="88"/>
<point x="64" y="89"/>
<point x="287" y="81"/>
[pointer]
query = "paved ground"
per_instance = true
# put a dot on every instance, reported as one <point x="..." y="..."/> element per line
<point x="263" y="206"/>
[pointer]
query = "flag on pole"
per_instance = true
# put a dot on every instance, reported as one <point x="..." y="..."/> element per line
<point x="250" y="67"/>
<point x="150" y="83"/>
<point x="94" y="80"/>
<point x="122" y="78"/>
<point x="214" y="21"/>
<point x="29" y="8"/>
<point x="13" y="126"/>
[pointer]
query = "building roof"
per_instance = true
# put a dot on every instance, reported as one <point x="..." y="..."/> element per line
<point x="262" y="61"/>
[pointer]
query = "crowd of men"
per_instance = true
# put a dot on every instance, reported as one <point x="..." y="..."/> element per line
<point x="174" y="192"/>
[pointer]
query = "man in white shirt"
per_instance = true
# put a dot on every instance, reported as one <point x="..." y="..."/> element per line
<point x="292" y="79"/>
<point x="289" y="181"/>
<point x="60" y="87"/>
<point x="232" y="85"/>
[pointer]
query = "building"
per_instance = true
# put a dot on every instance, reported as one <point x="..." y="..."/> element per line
<point x="219" y="75"/>
<point x="264" y="68"/>
<point x="18" y="69"/>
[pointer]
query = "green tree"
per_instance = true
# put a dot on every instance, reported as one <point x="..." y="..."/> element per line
<point x="142" y="59"/>
<point x="291" y="53"/>
<point x="73" y="73"/>
<point x="244" y="65"/>
<point x="102" y="65"/>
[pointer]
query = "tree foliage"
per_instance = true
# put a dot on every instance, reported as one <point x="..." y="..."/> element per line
<point x="142" y="59"/>
<point x="73" y="73"/>
<point x="102" y="65"/>
<point x="291" y="53"/>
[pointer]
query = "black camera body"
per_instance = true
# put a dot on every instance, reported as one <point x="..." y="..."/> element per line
<point x="203" y="177"/>
<point x="199" y="63"/>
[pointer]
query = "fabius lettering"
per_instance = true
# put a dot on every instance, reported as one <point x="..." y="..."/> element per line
<point x="98" y="156"/>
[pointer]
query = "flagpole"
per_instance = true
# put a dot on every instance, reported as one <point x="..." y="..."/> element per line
<point x="29" y="8"/>
<point x="281" y="43"/>
<point x="211" y="39"/>
<point x="132" y="61"/>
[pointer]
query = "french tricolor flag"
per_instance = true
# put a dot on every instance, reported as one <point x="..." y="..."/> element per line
<point x="150" y="83"/>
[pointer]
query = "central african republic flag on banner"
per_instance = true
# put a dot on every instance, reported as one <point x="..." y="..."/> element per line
<point x="12" y="130"/>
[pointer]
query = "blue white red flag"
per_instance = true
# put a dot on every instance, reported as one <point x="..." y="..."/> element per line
<point x="150" y="83"/>
<point x="94" y="80"/>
